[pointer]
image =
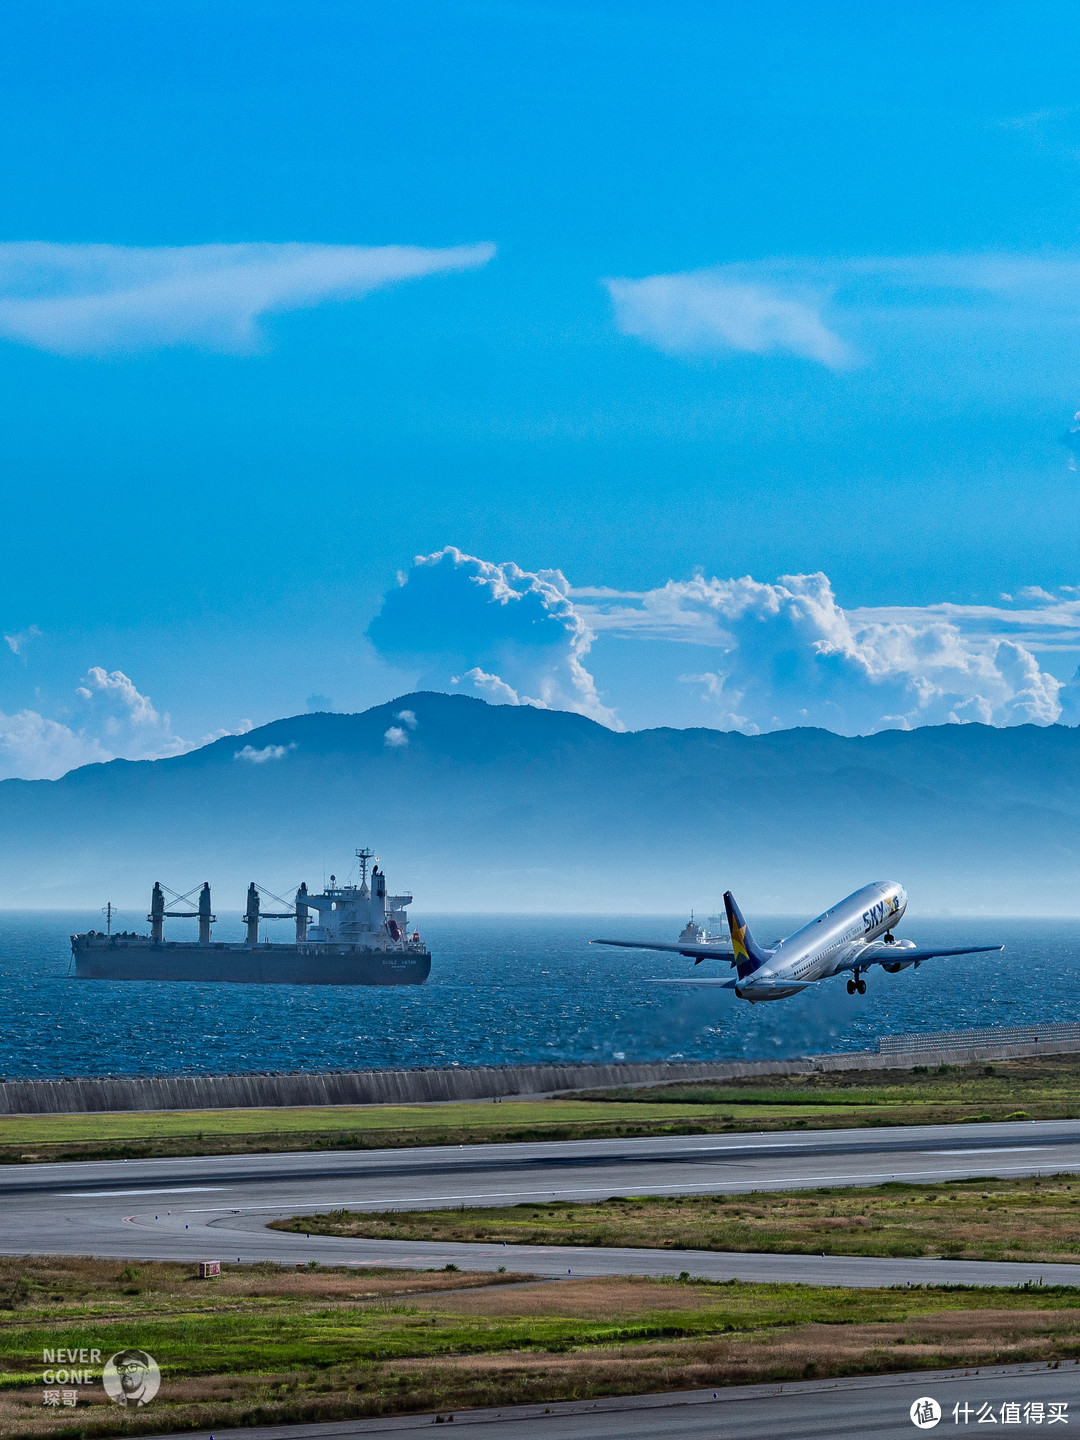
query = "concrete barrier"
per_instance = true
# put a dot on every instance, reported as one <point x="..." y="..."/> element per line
<point x="489" y="1082"/>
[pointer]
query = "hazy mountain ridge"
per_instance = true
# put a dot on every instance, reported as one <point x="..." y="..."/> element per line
<point x="514" y="807"/>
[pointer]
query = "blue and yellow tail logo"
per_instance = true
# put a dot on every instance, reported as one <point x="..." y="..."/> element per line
<point x="749" y="956"/>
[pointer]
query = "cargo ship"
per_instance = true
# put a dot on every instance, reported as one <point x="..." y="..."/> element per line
<point x="357" y="935"/>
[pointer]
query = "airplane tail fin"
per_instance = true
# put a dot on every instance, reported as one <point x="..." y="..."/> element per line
<point x="749" y="956"/>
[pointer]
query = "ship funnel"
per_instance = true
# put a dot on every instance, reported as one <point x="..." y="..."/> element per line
<point x="251" y="914"/>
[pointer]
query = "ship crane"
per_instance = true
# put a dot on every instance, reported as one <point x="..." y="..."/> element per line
<point x="158" y="914"/>
<point x="254" y="912"/>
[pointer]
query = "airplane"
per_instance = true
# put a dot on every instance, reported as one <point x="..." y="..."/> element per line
<point x="853" y="935"/>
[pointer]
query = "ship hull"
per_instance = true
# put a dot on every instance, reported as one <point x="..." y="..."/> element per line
<point x="248" y="965"/>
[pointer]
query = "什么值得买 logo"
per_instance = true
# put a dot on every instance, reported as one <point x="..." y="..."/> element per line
<point x="925" y="1412"/>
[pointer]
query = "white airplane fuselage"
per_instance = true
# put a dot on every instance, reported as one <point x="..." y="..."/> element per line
<point x="831" y="943"/>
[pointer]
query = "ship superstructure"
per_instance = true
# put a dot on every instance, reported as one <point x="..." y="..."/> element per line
<point x="695" y="934"/>
<point x="349" y="934"/>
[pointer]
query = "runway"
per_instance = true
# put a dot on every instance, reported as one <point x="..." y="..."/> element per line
<point x="218" y="1207"/>
<point x="878" y="1405"/>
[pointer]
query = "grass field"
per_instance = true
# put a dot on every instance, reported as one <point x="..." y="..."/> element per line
<point x="1029" y="1219"/>
<point x="1043" y="1088"/>
<point x="268" y="1345"/>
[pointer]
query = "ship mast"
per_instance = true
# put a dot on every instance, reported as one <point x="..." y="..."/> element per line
<point x="364" y="856"/>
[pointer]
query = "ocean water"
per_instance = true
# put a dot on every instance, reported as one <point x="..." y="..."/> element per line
<point x="506" y="990"/>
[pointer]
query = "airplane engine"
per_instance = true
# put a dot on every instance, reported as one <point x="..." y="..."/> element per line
<point x="898" y="965"/>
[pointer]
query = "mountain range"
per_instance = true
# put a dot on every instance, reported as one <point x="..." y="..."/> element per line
<point x="497" y="807"/>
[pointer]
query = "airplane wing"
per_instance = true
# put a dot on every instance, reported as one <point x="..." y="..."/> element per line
<point x="878" y="952"/>
<point x="696" y="952"/>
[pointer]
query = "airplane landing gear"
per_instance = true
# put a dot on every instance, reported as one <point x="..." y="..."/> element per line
<point x="858" y="984"/>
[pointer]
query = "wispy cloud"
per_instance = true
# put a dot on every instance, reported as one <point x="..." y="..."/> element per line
<point x="87" y="299"/>
<point x="825" y="310"/>
<point x="18" y="642"/>
<point x="708" y="310"/>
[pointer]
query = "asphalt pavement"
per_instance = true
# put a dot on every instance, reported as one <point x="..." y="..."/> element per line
<point x="218" y="1207"/>
<point x="875" y="1405"/>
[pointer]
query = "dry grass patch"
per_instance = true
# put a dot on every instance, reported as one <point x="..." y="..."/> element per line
<point x="267" y="1345"/>
<point x="1034" y="1219"/>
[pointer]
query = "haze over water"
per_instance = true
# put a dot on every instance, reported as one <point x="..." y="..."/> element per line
<point x="505" y="990"/>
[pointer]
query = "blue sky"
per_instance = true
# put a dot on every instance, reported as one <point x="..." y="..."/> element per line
<point x="723" y="290"/>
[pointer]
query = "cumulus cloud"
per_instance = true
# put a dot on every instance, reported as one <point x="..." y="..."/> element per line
<point x="395" y="738"/>
<point x="87" y="299"/>
<point x="488" y="686"/>
<point x="407" y="718"/>
<point x="704" y="310"/>
<point x="110" y="719"/>
<point x="759" y="655"/>
<point x="33" y="747"/>
<point x="786" y="653"/>
<point x="267" y="753"/>
<point x="508" y="634"/>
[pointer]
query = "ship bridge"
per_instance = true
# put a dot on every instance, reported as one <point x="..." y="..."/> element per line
<point x="355" y="914"/>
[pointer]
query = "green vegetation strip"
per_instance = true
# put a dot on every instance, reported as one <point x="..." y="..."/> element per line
<point x="1031" y="1219"/>
<point x="1020" y="1089"/>
<point x="265" y="1345"/>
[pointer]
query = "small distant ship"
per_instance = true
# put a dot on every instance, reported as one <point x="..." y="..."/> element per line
<point x="695" y="934"/>
<point x="361" y="937"/>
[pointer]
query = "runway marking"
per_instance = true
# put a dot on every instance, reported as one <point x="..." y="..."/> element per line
<point x="171" y="1190"/>
<point x="993" y="1150"/>
<point x="390" y="1201"/>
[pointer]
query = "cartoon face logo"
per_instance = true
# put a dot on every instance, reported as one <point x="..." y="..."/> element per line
<point x="131" y="1377"/>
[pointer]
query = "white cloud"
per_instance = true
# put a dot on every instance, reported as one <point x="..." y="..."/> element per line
<point x="508" y="634"/>
<point x="787" y="654"/>
<point x="35" y="748"/>
<point x="268" y="752"/>
<point x="825" y="310"/>
<point x="704" y="311"/>
<point x="395" y="738"/>
<point x="761" y="656"/>
<point x="407" y="718"/>
<point x="18" y="642"/>
<point x="126" y="706"/>
<point x="85" y="299"/>
<point x="489" y="687"/>
<point x="110" y="719"/>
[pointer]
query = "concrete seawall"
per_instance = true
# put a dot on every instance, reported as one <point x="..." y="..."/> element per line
<point x="411" y="1087"/>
